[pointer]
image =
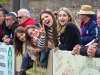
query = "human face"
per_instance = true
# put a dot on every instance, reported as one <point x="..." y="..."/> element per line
<point x="21" y="36"/>
<point x="47" y="19"/>
<point x="21" y="18"/>
<point x="98" y="19"/>
<point x="33" y="32"/>
<point x="82" y="17"/>
<point x="1" y="18"/>
<point x="9" y="21"/>
<point x="63" y="17"/>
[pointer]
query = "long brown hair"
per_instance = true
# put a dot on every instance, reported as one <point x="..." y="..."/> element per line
<point x="29" y="41"/>
<point x="18" y="45"/>
<point x="61" y="29"/>
<point x="54" y="27"/>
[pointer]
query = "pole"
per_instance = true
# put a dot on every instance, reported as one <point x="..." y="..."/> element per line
<point x="24" y="4"/>
<point x="15" y="5"/>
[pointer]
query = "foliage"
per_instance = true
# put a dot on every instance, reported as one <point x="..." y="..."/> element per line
<point x="5" y="0"/>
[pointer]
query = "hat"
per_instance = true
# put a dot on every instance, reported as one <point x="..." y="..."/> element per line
<point x="86" y="9"/>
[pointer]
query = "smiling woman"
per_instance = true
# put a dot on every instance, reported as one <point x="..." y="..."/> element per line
<point x="48" y="21"/>
<point x="68" y="30"/>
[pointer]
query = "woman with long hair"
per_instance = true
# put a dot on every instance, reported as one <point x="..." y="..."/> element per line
<point x="36" y="49"/>
<point x="48" y="21"/>
<point x="68" y="30"/>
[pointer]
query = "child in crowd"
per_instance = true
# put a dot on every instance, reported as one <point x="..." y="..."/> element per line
<point x="19" y="46"/>
<point x="34" y="38"/>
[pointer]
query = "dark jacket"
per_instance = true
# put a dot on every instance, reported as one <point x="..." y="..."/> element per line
<point x="10" y="32"/>
<point x="83" y="50"/>
<point x="70" y="37"/>
<point x="90" y="31"/>
<point x="3" y="27"/>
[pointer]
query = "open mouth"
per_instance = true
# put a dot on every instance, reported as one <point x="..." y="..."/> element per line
<point x="22" y="39"/>
<point x="62" y="20"/>
<point x="48" y="22"/>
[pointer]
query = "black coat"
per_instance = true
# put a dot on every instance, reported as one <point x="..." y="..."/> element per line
<point x="70" y="37"/>
<point x="10" y="32"/>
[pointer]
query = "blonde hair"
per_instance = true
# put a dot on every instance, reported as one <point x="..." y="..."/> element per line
<point x="60" y="28"/>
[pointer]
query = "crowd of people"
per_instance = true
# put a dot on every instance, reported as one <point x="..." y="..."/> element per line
<point x="59" y="31"/>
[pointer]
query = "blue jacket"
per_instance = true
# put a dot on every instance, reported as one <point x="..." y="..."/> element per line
<point x="90" y="31"/>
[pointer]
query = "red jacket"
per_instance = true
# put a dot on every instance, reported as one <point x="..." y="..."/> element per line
<point x="30" y="21"/>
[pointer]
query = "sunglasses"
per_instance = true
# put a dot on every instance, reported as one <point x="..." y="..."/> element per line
<point x="19" y="17"/>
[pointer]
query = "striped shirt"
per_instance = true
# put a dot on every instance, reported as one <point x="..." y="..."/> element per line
<point x="41" y="43"/>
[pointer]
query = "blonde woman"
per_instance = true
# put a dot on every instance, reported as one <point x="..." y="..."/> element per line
<point x="68" y="30"/>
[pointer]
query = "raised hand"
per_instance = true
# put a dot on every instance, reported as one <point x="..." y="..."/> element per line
<point x="36" y="39"/>
<point x="42" y="29"/>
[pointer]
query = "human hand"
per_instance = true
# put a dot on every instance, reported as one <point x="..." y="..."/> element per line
<point x="35" y="52"/>
<point x="5" y="37"/>
<point x="56" y="48"/>
<point x="76" y="49"/>
<point x="42" y="29"/>
<point x="91" y="51"/>
<point x="36" y="39"/>
<point x="6" y="41"/>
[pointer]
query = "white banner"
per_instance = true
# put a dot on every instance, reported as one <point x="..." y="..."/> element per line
<point x="7" y="64"/>
<point x="66" y="64"/>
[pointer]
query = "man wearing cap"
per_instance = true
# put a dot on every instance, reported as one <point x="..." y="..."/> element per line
<point x="93" y="50"/>
<point x="89" y="27"/>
